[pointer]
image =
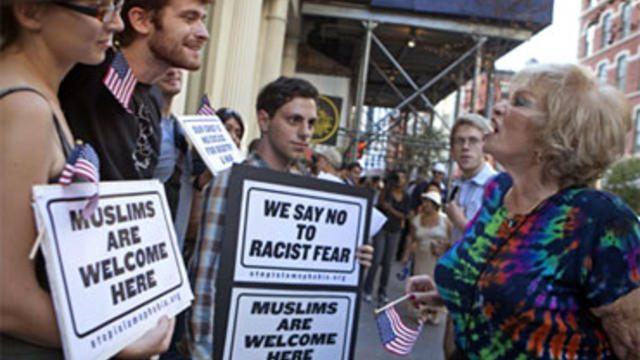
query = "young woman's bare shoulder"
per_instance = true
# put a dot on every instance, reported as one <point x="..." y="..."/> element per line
<point x="26" y="123"/>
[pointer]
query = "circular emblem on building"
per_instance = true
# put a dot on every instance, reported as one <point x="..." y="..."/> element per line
<point x="326" y="126"/>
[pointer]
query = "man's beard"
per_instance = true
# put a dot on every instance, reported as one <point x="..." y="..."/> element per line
<point x="172" y="55"/>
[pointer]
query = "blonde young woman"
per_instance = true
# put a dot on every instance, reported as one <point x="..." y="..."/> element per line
<point x="41" y="41"/>
<point x="549" y="268"/>
<point x="429" y="233"/>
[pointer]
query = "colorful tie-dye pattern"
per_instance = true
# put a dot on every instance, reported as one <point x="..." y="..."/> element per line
<point x="524" y="291"/>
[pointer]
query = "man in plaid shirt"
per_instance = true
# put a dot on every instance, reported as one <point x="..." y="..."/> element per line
<point x="286" y="112"/>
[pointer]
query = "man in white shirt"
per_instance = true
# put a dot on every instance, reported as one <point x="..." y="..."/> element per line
<point x="467" y="140"/>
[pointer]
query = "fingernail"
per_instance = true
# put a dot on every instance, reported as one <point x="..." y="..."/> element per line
<point x="412" y="296"/>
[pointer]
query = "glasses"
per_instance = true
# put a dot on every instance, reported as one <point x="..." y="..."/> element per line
<point x="104" y="13"/>
<point x="460" y="141"/>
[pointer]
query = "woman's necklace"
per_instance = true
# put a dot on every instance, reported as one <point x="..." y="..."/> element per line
<point x="513" y="217"/>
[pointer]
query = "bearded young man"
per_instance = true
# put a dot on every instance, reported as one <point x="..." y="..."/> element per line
<point x="113" y="105"/>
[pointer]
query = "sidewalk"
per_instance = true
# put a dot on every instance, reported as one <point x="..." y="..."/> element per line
<point x="369" y="347"/>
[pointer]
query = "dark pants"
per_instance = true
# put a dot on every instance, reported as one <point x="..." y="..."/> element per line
<point x="385" y="244"/>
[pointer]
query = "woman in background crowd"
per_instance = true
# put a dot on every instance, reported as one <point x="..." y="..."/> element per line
<point x="394" y="202"/>
<point x="41" y="41"/>
<point x="430" y="234"/>
<point x="549" y="268"/>
<point x="233" y="123"/>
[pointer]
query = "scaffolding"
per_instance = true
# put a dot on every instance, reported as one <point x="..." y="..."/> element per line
<point x="471" y="45"/>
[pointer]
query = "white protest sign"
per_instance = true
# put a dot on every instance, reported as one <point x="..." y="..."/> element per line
<point x="312" y="235"/>
<point x="289" y="325"/>
<point x="212" y="141"/>
<point x="114" y="274"/>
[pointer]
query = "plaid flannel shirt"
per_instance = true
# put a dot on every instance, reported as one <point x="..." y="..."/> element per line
<point x="203" y="266"/>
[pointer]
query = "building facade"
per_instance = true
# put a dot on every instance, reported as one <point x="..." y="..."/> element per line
<point x="495" y="90"/>
<point x="610" y="46"/>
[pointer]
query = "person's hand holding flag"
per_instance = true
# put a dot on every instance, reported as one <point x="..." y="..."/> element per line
<point x="421" y="290"/>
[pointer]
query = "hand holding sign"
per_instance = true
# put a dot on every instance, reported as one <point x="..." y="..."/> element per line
<point x="212" y="141"/>
<point x="153" y="342"/>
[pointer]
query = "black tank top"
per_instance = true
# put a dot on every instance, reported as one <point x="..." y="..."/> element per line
<point x="12" y="348"/>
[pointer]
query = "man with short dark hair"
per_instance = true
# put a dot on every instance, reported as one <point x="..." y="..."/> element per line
<point x="354" y="170"/>
<point x="112" y="105"/>
<point x="286" y="112"/>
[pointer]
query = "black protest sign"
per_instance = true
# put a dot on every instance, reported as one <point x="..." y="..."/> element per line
<point x="285" y="237"/>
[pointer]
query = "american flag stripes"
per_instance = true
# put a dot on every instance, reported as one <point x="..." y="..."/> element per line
<point x="205" y="106"/>
<point x="120" y="80"/>
<point x="83" y="162"/>
<point x="396" y="336"/>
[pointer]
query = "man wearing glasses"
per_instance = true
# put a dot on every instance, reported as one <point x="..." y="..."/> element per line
<point x="113" y="105"/>
<point x="466" y="149"/>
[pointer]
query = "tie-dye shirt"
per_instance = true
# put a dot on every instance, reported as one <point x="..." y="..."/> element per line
<point x="522" y="288"/>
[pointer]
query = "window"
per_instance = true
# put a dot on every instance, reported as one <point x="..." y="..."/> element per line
<point x="504" y="90"/>
<point x="636" y="143"/>
<point x="606" y="31"/>
<point x="588" y="39"/>
<point x="626" y="19"/>
<point x="621" y="72"/>
<point x="602" y="73"/>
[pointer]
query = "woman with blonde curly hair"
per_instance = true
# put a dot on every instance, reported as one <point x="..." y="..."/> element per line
<point x="549" y="268"/>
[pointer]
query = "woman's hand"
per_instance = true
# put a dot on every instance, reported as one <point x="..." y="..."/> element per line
<point x="438" y="247"/>
<point x="422" y="291"/>
<point x="153" y="342"/>
<point x="364" y="254"/>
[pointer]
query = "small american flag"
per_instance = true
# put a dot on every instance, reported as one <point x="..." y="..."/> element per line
<point x="205" y="106"/>
<point x="83" y="162"/>
<point x="397" y="338"/>
<point x="120" y="80"/>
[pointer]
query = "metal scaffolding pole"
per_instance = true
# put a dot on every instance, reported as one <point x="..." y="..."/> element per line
<point x="362" y="82"/>
<point x="456" y="113"/>
<point x="424" y="87"/>
<point x="488" y="105"/>
<point x="395" y="89"/>
<point x="477" y="68"/>
<point x="399" y="67"/>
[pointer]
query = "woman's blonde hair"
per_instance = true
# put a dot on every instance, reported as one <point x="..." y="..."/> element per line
<point x="585" y="122"/>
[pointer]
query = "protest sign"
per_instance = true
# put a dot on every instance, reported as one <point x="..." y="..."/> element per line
<point x="289" y="236"/>
<point x="291" y="324"/>
<point x="212" y="141"/>
<point x="112" y="274"/>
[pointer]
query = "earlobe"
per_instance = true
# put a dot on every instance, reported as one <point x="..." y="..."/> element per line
<point x="29" y="15"/>
<point x="263" y="121"/>
<point x="141" y="21"/>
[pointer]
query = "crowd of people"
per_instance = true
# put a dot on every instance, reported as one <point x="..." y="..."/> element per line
<point x="531" y="262"/>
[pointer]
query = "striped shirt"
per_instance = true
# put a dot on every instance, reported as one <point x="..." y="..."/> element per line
<point x="203" y="266"/>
